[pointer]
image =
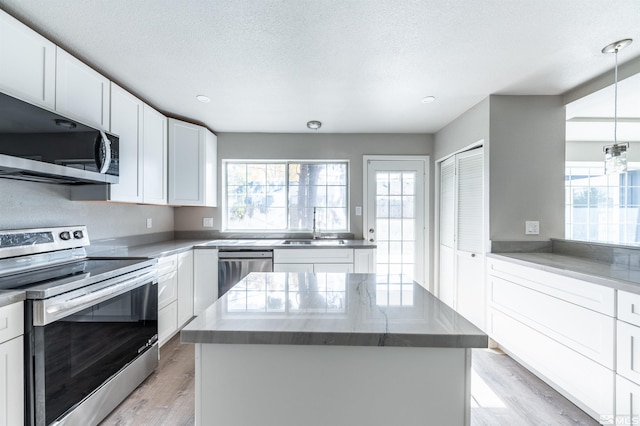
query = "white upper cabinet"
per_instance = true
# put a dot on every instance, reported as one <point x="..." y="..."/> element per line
<point x="81" y="92"/>
<point x="192" y="165"/>
<point x="27" y="63"/>
<point x="126" y="122"/>
<point x="154" y="163"/>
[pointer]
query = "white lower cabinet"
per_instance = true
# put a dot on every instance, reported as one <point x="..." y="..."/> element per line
<point x="628" y="359"/>
<point x="627" y="403"/>
<point x="364" y="261"/>
<point x="167" y="297"/>
<point x="561" y="328"/>
<point x="175" y="293"/>
<point x="293" y="267"/>
<point x="205" y="279"/>
<point x="167" y="322"/>
<point x="324" y="260"/>
<point x="12" y="364"/>
<point x="185" y="287"/>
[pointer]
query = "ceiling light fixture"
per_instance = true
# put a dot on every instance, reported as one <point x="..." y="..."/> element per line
<point x="203" y="98"/>
<point x="314" y="124"/>
<point x="428" y="99"/>
<point x="615" y="156"/>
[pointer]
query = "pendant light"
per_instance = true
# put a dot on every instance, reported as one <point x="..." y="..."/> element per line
<point x="615" y="156"/>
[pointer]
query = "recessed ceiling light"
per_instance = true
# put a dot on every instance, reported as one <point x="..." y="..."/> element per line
<point x="314" y="124"/>
<point x="203" y="98"/>
<point x="428" y="99"/>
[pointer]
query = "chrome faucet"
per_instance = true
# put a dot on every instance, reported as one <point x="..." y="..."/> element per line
<point x="316" y="231"/>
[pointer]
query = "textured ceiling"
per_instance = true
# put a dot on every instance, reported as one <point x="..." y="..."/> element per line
<point x="355" y="65"/>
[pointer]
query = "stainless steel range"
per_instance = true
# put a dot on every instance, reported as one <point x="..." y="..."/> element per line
<point x="91" y="324"/>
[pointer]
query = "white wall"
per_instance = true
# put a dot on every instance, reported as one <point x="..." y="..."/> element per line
<point x="32" y="205"/>
<point x="307" y="146"/>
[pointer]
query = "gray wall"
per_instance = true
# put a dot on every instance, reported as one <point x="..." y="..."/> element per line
<point x="469" y="128"/>
<point x="524" y="140"/>
<point x="31" y="205"/>
<point x="307" y="146"/>
<point x="527" y="148"/>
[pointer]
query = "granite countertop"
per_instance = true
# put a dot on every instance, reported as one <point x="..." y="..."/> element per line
<point x="154" y="250"/>
<point x="617" y="276"/>
<point x="166" y="248"/>
<point x="8" y="297"/>
<point x="332" y="309"/>
<point x="287" y="244"/>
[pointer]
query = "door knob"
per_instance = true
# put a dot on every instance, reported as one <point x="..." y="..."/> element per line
<point x="371" y="230"/>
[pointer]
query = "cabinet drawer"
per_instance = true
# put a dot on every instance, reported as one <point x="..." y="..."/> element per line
<point x="313" y="256"/>
<point x="629" y="307"/>
<point x="167" y="322"/>
<point x="12" y="382"/>
<point x="628" y="351"/>
<point x="167" y="289"/>
<point x="293" y="267"/>
<point x="11" y="321"/>
<point x="593" y="296"/>
<point x="582" y="380"/>
<point x="627" y="403"/>
<point x="167" y="264"/>
<point x="588" y="332"/>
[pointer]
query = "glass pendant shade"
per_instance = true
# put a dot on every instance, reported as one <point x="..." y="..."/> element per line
<point x="615" y="158"/>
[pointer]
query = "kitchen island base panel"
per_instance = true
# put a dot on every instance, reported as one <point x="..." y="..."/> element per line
<point x="287" y="385"/>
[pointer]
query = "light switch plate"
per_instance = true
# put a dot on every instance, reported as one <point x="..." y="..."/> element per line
<point x="532" y="227"/>
<point x="358" y="210"/>
<point x="207" y="222"/>
<point x="149" y="223"/>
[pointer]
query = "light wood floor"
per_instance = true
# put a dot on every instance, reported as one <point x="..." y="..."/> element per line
<point x="503" y="393"/>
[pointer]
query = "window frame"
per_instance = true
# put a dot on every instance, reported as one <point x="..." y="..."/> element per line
<point x="568" y="220"/>
<point x="224" y="219"/>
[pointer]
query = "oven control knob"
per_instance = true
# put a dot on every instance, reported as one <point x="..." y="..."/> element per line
<point x="65" y="235"/>
<point x="78" y="235"/>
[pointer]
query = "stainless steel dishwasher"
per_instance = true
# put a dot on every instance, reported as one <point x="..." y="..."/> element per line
<point x="234" y="265"/>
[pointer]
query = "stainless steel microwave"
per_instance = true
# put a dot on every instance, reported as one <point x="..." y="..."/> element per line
<point x="40" y="145"/>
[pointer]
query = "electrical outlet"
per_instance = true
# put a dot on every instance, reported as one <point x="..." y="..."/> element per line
<point x="358" y="210"/>
<point x="149" y="223"/>
<point x="532" y="227"/>
<point x="207" y="222"/>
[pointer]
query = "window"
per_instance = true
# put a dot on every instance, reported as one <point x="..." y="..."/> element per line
<point x="282" y="195"/>
<point x="602" y="208"/>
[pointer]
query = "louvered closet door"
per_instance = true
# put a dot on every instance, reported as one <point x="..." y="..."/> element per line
<point x="447" y="231"/>
<point x="469" y="239"/>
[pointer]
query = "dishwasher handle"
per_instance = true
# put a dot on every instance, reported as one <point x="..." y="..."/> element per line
<point x="248" y="254"/>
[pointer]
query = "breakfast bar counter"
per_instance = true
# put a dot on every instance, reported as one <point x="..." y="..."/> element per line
<point x="339" y="349"/>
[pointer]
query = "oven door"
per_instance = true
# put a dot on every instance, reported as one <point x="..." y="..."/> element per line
<point x="79" y="340"/>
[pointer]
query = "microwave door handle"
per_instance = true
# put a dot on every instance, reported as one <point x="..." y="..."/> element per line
<point x="106" y="148"/>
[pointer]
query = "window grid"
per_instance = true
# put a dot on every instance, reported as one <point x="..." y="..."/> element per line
<point x="395" y="223"/>
<point x="281" y="195"/>
<point x="602" y="208"/>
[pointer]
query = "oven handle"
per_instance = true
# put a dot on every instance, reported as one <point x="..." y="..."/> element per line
<point x="50" y="310"/>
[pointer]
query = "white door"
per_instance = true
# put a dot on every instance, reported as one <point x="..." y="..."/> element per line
<point x="446" y="283"/>
<point x="461" y="242"/>
<point x="469" y="242"/>
<point x="395" y="215"/>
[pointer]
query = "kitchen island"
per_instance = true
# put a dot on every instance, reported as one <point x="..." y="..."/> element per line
<point x="331" y="349"/>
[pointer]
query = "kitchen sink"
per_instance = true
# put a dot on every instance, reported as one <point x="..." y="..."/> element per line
<point x="312" y="242"/>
